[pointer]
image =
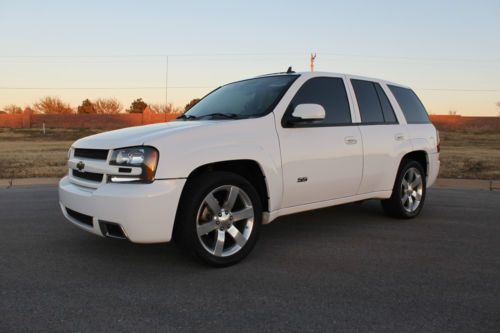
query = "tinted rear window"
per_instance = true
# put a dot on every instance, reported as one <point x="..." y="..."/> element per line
<point x="412" y="107"/>
<point x="368" y="102"/>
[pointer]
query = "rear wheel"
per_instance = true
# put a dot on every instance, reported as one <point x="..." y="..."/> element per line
<point x="408" y="194"/>
<point x="219" y="218"/>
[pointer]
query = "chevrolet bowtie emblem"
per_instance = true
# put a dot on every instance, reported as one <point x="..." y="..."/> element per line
<point x="80" y="165"/>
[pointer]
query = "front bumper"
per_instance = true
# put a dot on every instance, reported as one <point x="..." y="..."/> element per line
<point x="145" y="212"/>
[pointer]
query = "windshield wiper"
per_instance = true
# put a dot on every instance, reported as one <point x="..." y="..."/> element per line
<point x="187" y="117"/>
<point x="222" y="115"/>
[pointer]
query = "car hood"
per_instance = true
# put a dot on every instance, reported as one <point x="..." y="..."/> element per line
<point x="136" y="136"/>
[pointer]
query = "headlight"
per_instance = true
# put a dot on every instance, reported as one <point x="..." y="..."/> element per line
<point x="144" y="157"/>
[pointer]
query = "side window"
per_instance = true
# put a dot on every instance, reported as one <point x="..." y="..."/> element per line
<point x="374" y="106"/>
<point x="368" y="102"/>
<point x="412" y="107"/>
<point x="389" y="115"/>
<point x="328" y="92"/>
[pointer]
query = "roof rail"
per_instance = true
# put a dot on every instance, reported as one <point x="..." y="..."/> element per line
<point x="288" y="71"/>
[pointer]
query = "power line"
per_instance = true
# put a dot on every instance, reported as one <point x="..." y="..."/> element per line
<point x="327" y="54"/>
<point x="105" y="88"/>
<point x="458" y="90"/>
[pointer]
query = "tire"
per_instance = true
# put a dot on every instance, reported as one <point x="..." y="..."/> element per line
<point x="408" y="194"/>
<point x="218" y="218"/>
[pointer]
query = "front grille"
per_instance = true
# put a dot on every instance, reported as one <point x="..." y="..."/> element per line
<point x="82" y="218"/>
<point x="96" y="154"/>
<point x="95" y="177"/>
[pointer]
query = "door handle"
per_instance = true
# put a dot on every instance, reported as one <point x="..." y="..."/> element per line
<point x="350" y="140"/>
<point x="399" y="137"/>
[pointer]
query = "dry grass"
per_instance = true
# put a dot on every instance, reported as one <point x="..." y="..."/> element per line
<point x="29" y="153"/>
<point x="474" y="155"/>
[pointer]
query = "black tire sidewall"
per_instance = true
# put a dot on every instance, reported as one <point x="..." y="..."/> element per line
<point x="195" y="192"/>
<point x="396" y="195"/>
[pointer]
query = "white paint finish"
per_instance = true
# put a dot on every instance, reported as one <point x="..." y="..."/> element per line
<point x="309" y="112"/>
<point x="328" y="203"/>
<point x="333" y="167"/>
<point x="330" y="157"/>
<point x="383" y="152"/>
<point x="342" y="164"/>
<point x="433" y="169"/>
<point x="146" y="212"/>
<point x="223" y="140"/>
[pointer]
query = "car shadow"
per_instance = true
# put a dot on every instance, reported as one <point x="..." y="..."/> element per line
<point x="322" y="225"/>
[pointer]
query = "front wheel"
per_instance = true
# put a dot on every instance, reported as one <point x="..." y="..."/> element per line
<point x="219" y="218"/>
<point x="408" y="194"/>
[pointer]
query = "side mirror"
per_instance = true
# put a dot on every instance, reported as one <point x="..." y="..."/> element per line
<point x="308" y="112"/>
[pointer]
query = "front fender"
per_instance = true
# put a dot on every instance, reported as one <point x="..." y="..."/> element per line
<point x="249" y="139"/>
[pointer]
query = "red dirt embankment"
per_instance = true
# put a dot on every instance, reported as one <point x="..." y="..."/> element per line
<point x="28" y="119"/>
<point x="113" y="121"/>
<point x="445" y="122"/>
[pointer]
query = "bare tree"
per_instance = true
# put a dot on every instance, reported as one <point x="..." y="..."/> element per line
<point x="107" y="106"/>
<point x="12" y="109"/>
<point x="52" y="105"/>
<point x="165" y="108"/>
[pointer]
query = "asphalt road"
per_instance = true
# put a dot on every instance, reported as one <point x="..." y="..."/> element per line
<point x="346" y="268"/>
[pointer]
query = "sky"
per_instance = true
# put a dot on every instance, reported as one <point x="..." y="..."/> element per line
<point x="448" y="51"/>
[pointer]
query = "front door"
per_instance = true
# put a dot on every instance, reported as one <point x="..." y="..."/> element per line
<point x="321" y="160"/>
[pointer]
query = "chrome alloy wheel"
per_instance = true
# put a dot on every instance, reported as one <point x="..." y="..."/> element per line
<point x="412" y="189"/>
<point x="225" y="220"/>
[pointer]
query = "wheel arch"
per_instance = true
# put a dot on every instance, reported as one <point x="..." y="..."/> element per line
<point x="249" y="169"/>
<point x="419" y="156"/>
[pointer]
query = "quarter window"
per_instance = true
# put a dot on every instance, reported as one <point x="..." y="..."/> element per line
<point x="411" y="106"/>
<point x="389" y="115"/>
<point x="328" y="92"/>
<point x="373" y="104"/>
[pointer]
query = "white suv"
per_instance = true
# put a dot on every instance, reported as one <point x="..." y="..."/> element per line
<point x="251" y="151"/>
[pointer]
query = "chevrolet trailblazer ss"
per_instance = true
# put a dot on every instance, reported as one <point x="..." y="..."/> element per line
<point x="249" y="152"/>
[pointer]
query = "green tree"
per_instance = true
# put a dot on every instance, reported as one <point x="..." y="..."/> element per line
<point x="192" y="103"/>
<point x="137" y="106"/>
<point x="86" y="107"/>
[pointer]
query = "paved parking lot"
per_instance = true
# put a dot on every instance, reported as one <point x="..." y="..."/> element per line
<point x="345" y="268"/>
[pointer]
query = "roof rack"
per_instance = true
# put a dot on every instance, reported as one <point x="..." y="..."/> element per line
<point x="288" y="71"/>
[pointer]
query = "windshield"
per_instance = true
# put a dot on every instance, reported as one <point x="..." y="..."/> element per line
<point x="243" y="99"/>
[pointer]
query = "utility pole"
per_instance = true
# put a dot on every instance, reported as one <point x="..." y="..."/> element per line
<point x="166" y="86"/>
<point x="313" y="57"/>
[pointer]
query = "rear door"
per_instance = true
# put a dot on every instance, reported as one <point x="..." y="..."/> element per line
<point x="385" y="140"/>
<point x="321" y="160"/>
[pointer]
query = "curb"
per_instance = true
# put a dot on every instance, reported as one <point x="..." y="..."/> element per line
<point x="470" y="184"/>
<point x="7" y="183"/>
